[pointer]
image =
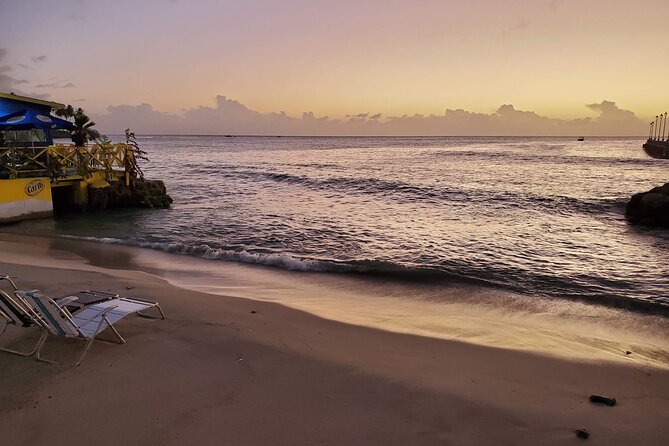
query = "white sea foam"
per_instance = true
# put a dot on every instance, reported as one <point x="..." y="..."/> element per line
<point x="281" y="260"/>
<point x="107" y="240"/>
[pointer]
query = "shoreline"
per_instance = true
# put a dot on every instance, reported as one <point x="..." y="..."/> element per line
<point x="245" y="371"/>
<point x="390" y="272"/>
<point x="462" y="312"/>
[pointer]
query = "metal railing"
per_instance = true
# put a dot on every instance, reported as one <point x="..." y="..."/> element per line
<point x="61" y="161"/>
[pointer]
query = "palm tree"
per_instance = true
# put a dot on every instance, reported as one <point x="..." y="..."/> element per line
<point x="67" y="112"/>
<point x="82" y="131"/>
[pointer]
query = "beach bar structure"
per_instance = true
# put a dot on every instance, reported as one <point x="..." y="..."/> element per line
<point x="38" y="175"/>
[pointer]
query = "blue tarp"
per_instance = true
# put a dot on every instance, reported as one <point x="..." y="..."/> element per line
<point x="32" y="119"/>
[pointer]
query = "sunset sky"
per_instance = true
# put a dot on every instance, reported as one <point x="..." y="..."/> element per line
<point x="341" y="57"/>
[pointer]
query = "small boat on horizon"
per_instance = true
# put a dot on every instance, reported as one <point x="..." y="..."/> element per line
<point x="580" y="138"/>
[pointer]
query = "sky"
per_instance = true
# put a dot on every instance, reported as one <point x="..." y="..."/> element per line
<point x="315" y="66"/>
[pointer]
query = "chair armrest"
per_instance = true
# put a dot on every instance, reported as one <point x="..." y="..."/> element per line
<point x="66" y="300"/>
<point x="8" y="279"/>
<point x="101" y="293"/>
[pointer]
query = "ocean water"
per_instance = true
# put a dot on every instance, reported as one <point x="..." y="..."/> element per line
<point x="543" y="217"/>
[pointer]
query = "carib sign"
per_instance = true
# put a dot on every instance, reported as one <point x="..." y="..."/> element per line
<point x="35" y="187"/>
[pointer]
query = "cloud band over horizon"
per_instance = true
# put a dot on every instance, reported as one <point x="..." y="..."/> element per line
<point x="231" y="117"/>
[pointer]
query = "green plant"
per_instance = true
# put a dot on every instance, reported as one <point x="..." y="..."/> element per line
<point x="82" y="131"/>
<point x="105" y="148"/>
<point x="83" y="160"/>
<point x="55" y="168"/>
<point x="66" y="112"/>
<point x="132" y="157"/>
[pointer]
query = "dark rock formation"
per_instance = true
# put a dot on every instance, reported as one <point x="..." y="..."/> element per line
<point x="650" y="208"/>
<point x="143" y="194"/>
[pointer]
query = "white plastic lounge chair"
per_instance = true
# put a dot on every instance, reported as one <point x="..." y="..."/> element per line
<point x="86" y="323"/>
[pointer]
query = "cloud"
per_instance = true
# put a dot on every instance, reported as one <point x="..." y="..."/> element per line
<point x="38" y="59"/>
<point x="609" y="111"/>
<point x="8" y="83"/>
<point x="229" y="116"/>
<point x="516" y="27"/>
<point x="142" y="118"/>
<point x="56" y="85"/>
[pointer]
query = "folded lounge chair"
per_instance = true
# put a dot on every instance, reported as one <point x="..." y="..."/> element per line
<point x="57" y="316"/>
<point x="86" y="323"/>
<point x="15" y="312"/>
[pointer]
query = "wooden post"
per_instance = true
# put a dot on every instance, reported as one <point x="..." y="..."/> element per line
<point x="125" y="162"/>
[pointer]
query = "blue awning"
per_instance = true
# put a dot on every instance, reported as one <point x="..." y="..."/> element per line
<point x="33" y="119"/>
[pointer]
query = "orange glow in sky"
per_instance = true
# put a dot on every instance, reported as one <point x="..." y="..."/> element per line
<point x="342" y="57"/>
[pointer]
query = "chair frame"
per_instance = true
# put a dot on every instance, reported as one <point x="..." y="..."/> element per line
<point x="23" y="311"/>
<point x="65" y="314"/>
<point x="33" y="317"/>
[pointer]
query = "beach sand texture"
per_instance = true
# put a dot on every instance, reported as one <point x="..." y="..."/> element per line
<point x="225" y="370"/>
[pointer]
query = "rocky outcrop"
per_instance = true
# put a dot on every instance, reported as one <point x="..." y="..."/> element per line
<point x="650" y="208"/>
<point x="143" y="194"/>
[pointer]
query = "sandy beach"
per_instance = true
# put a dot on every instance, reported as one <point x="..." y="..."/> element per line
<point x="225" y="369"/>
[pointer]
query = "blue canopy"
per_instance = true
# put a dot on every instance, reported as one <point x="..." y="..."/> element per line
<point x="32" y="119"/>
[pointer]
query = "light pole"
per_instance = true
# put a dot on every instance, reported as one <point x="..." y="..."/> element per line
<point x="664" y="126"/>
<point x="656" y="129"/>
<point x="650" y="135"/>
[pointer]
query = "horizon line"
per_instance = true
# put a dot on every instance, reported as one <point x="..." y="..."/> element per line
<point x="232" y="135"/>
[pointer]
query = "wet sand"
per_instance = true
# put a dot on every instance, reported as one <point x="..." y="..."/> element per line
<point x="227" y="369"/>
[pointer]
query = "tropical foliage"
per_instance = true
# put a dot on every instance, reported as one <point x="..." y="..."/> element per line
<point x="105" y="150"/>
<point x="83" y="131"/>
<point x="135" y="154"/>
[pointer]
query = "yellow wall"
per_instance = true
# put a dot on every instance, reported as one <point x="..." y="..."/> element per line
<point x="25" y="198"/>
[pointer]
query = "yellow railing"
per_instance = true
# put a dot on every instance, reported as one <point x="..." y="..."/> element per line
<point x="60" y="161"/>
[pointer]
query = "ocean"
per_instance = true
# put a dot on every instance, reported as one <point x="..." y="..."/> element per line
<point x="542" y="217"/>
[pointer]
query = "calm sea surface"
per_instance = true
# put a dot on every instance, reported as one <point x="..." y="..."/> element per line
<point x="541" y="216"/>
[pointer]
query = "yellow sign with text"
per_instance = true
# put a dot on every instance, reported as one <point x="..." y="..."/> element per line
<point x="35" y="187"/>
<point x="21" y="189"/>
<point x="24" y="198"/>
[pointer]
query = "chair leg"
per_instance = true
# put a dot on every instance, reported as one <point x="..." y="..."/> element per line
<point x="89" y="343"/>
<point x="5" y="327"/>
<point x="38" y="351"/>
<point x="160" y="310"/>
<point x="118" y="335"/>
<point x="39" y="343"/>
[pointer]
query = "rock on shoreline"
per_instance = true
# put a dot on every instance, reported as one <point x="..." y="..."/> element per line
<point x="143" y="194"/>
<point x="650" y="208"/>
